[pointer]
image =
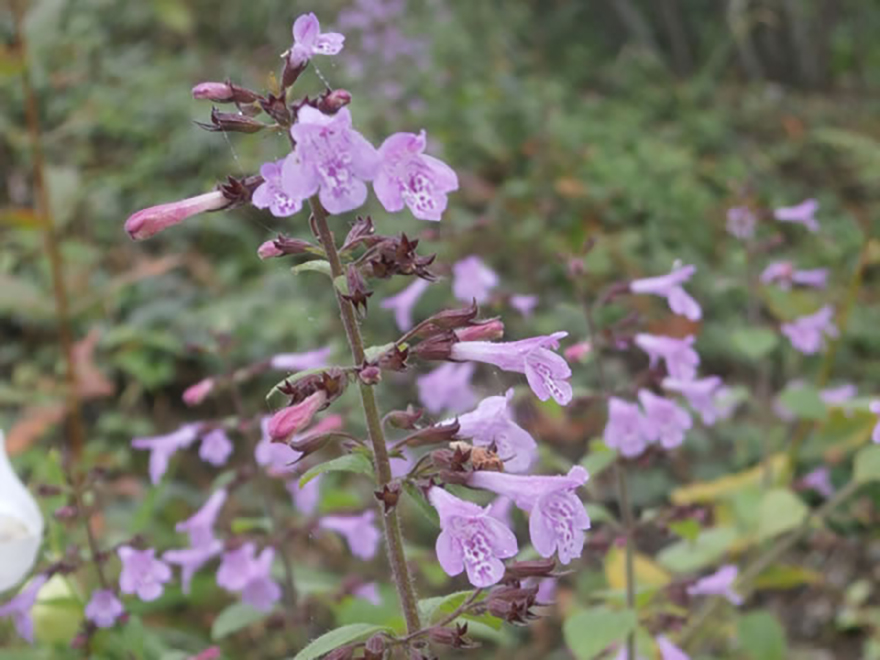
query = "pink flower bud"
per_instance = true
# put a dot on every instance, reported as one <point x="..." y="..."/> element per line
<point x="334" y="101"/>
<point x="150" y="221"/>
<point x="195" y="394"/>
<point x="288" y="421"/>
<point x="269" y="250"/>
<point x="213" y="91"/>
<point x="492" y="329"/>
<point x="577" y="352"/>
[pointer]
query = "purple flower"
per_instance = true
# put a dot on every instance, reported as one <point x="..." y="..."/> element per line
<point x="492" y="423"/>
<point x="500" y="509"/>
<point x="783" y="273"/>
<point x="151" y="221"/>
<point x="669" y="651"/>
<point x="681" y="359"/>
<point x="625" y="429"/>
<point x="557" y="517"/>
<point x="807" y="333"/>
<point x="359" y="531"/>
<point x="261" y="592"/>
<point x="192" y="559"/>
<point x="200" y="527"/>
<point x="409" y="176"/>
<point x="524" y="304"/>
<point x="163" y="447"/>
<point x="369" y="591"/>
<point x="546" y="372"/>
<point x="331" y="159"/>
<point x="720" y="583"/>
<point x="546" y="591"/>
<point x="235" y="567"/>
<point x="404" y="302"/>
<point x="277" y="457"/>
<point x="215" y="447"/>
<point x="473" y="280"/>
<point x="300" y="361"/>
<point x="305" y="498"/>
<point x="701" y="394"/>
<point x="142" y="573"/>
<point x="448" y="387"/>
<point x="401" y="465"/>
<point x="875" y="434"/>
<point x="19" y="608"/>
<point x="670" y="287"/>
<point x="308" y="40"/>
<point x="270" y="194"/>
<point x="741" y="222"/>
<point x="819" y="480"/>
<point x="104" y="608"/>
<point x="665" y="421"/>
<point x="470" y="539"/>
<point x="814" y="277"/>
<point x="801" y="214"/>
<point x="835" y="396"/>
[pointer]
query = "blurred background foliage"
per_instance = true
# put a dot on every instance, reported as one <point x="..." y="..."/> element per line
<point x="634" y="123"/>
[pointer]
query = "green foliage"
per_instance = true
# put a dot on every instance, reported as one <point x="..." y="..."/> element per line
<point x="589" y="632"/>
<point x="336" y="638"/>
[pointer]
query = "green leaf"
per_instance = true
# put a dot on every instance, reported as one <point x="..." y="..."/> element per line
<point x="687" y="556"/>
<point x="421" y="503"/>
<point x="599" y="458"/>
<point x="336" y="638"/>
<point x="315" y="265"/>
<point x="687" y="529"/>
<point x="780" y="511"/>
<point x="754" y="343"/>
<point x="341" y="284"/>
<point x="433" y="609"/>
<point x="804" y="402"/>
<point x="761" y="636"/>
<point x="866" y="466"/>
<point x="348" y="463"/>
<point x="234" y="618"/>
<point x="589" y="632"/>
<point x="371" y="353"/>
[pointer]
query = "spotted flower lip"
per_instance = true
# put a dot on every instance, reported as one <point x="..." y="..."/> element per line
<point x="678" y="354"/>
<point x="404" y="302"/>
<point x="719" y="583"/>
<point x="21" y="525"/>
<point x="557" y="517"/>
<point x="670" y="287"/>
<point x="547" y="373"/>
<point x="308" y="40"/>
<point x="408" y="176"/>
<point x="271" y="195"/>
<point x="359" y="532"/>
<point x="802" y="214"/>
<point x="471" y="539"/>
<point x="473" y="280"/>
<point x="150" y="221"/>
<point x="807" y="333"/>
<point x="625" y="429"/>
<point x="330" y="159"/>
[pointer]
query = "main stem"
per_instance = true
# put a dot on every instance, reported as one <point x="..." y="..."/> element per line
<point x="382" y="465"/>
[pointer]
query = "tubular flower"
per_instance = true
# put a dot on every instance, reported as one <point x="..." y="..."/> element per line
<point x="625" y="429"/>
<point x="305" y="498"/>
<point x="875" y="434"/>
<point x="409" y="176"/>
<point x="741" y="222"/>
<point x="701" y="394"/>
<point x="163" y="447"/>
<point x="104" y="608"/>
<point x="308" y="40"/>
<point x="670" y="287"/>
<point x="720" y="583"/>
<point x="665" y="421"/>
<point x="448" y="387"/>
<point x="142" y="573"/>
<point x="19" y="608"/>
<point x="150" y="221"/>
<point x="215" y="447"/>
<point x="471" y="539"/>
<point x="557" y="517"/>
<point x="192" y="559"/>
<point x="802" y="214"/>
<point x="200" y="527"/>
<point x="473" y="280"/>
<point x="359" y="532"/>
<point x="300" y="361"/>
<point x="681" y="359"/>
<point x="546" y="372"/>
<point x="669" y="651"/>
<point x="807" y="333"/>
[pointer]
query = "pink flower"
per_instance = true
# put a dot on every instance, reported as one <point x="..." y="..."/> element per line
<point x="741" y="222"/>
<point x="19" y="608"/>
<point x="577" y="352"/>
<point x="163" y="447"/>
<point x="701" y="394"/>
<point x="807" y="333"/>
<point x="301" y="361"/>
<point x="625" y="429"/>
<point x="308" y="40"/>
<point x="200" y="527"/>
<point x="215" y="447"/>
<point x="331" y="159"/>
<point x="546" y="372"/>
<point x="151" y="221"/>
<point x="819" y="480"/>
<point x="192" y="559"/>
<point x="270" y="195"/>
<point x="142" y="573"/>
<point x="409" y="176"/>
<point x="279" y="457"/>
<point x="801" y="214"/>
<point x="195" y="394"/>
<point x="681" y="359"/>
<point x="268" y="250"/>
<point x="305" y="498"/>
<point x="524" y="304"/>
<point x="492" y="423"/>
<point x="557" y="517"/>
<point x="287" y="421"/>
<point x="404" y="302"/>
<point x="359" y="532"/>
<point x="720" y="583"/>
<point x="104" y="608"/>
<point x="670" y="287"/>
<point x="448" y="387"/>
<point x="664" y="421"/>
<point x="875" y="434"/>
<point x="470" y="539"/>
<point x="669" y="651"/>
<point x="473" y="280"/>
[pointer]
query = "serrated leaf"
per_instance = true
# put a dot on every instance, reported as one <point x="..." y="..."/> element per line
<point x="348" y="463"/>
<point x="338" y="637"/>
<point x="780" y="511"/>
<point x="314" y="266"/>
<point x="589" y="632"/>
<point x="754" y="343"/>
<point x="234" y="618"/>
<point x="866" y="466"/>
<point x="804" y="402"/>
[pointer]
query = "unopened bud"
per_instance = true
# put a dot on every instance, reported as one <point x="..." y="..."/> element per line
<point x="234" y="122"/>
<point x="536" y="568"/>
<point x="195" y="394"/>
<point x="151" y="221"/>
<point x="489" y="330"/>
<point x="370" y="375"/>
<point x="268" y="250"/>
<point x="289" y="245"/>
<point x="223" y="92"/>
<point x="404" y="419"/>
<point x="454" y="637"/>
<point x="433" y="435"/>
<point x="374" y="649"/>
<point x="66" y="512"/>
<point x="448" y="319"/>
<point x="332" y="102"/>
<point x="288" y="421"/>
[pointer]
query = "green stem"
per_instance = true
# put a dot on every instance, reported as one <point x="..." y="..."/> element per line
<point x="382" y="464"/>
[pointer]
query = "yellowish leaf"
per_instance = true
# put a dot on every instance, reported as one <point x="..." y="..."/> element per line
<point x="709" y="491"/>
<point x="648" y="573"/>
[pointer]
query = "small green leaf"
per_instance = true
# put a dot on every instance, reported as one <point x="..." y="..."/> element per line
<point x="421" y="503"/>
<point x="348" y="463"/>
<point x="780" y="511"/>
<point x="589" y="632"/>
<point x="761" y="636"/>
<point x="754" y="343"/>
<point x="338" y="637"/>
<point x="315" y="265"/>
<point x="804" y="402"/>
<point x="341" y="284"/>
<point x="435" y="608"/>
<point x="867" y="465"/>
<point x="687" y="529"/>
<point x="234" y="618"/>
<point x="686" y="556"/>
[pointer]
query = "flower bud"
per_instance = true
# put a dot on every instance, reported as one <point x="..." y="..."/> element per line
<point x="361" y="231"/>
<point x="223" y="92"/>
<point x="66" y="512"/>
<point x="151" y="221"/>
<point x="448" y="319"/>
<point x="452" y="637"/>
<point x="332" y="102"/>
<point x="289" y="245"/>
<point x="292" y="71"/>
<point x="482" y="331"/>
<point x="234" y="122"/>
<point x="288" y="421"/>
<point x="374" y="649"/>
<point x="370" y="375"/>
<point x="195" y="394"/>
<point x="404" y="419"/>
<point x="536" y="568"/>
<point x="433" y="435"/>
<point x="268" y="250"/>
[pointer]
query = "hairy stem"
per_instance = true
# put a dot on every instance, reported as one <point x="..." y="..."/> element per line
<point x="382" y="465"/>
